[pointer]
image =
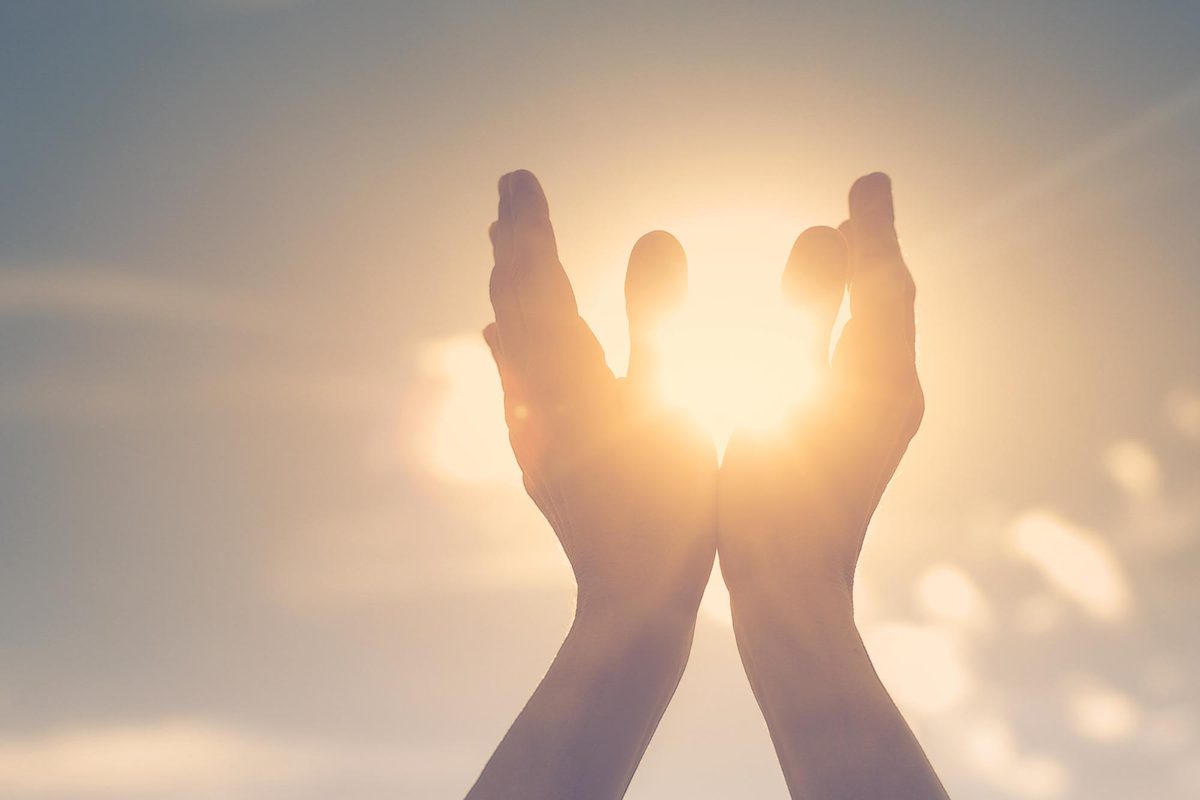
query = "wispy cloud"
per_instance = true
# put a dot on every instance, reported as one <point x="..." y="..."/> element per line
<point x="1183" y="411"/>
<point x="196" y="759"/>
<point x="65" y="396"/>
<point x="180" y="758"/>
<point x="121" y="295"/>
<point x="1134" y="468"/>
<point x="1075" y="562"/>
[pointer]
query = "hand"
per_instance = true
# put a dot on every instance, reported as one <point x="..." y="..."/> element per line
<point x="629" y="488"/>
<point x="794" y="507"/>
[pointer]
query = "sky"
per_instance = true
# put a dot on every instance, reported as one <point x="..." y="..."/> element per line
<point x="260" y="536"/>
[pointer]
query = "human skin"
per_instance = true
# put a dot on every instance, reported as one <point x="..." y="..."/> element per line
<point x="632" y="491"/>
<point x="629" y="489"/>
<point x="794" y="508"/>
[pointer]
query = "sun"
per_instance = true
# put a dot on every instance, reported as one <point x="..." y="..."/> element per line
<point x="736" y="355"/>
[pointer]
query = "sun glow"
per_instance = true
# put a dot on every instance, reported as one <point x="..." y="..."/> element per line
<point x="736" y="355"/>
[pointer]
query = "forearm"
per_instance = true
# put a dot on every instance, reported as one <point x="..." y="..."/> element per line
<point x="583" y="732"/>
<point x="836" y="731"/>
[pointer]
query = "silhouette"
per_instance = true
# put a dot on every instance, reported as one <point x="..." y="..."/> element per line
<point x="634" y="494"/>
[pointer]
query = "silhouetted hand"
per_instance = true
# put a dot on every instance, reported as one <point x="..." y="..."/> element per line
<point x="630" y="490"/>
<point x="628" y="486"/>
<point x="794" y="508"/>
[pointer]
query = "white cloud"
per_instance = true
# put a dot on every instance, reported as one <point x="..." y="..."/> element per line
<point x="176" y="757"/>
<point x="194" y="759"/>
<point x="1038" y="777"/>
<point x="947" y="593"/>
<point x="1074" y="561"/>
<point x="1183" y="411"/>
<point x="468" y="441"/>
<point x="1133" y="467"/>
<point x="1098" y="711"/>
<point x="990" y="748"/>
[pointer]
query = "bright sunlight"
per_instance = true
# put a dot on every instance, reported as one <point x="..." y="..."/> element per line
<point x="736" y="355"/>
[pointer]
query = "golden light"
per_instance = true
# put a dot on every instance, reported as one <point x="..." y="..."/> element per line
<point x="468" y="440"/>
<point x="736" y="355"/>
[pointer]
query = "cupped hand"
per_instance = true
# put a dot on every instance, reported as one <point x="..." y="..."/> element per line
<point x="628" y="486"/>
<point x="794" y="506"/>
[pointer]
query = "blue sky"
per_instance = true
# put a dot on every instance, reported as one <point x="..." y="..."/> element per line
<point x="258" y="534"/>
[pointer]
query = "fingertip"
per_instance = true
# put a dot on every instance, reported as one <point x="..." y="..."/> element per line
<point x="871" y="195"/>
<point x="656" y="280"/>
<point x="521" y="193"/>
<point x="874" y="183"/>
<point x="816" y="267"/>
<point x="658" y="246"/>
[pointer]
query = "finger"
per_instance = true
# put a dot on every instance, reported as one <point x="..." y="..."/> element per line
<point x="881" y="288"/>
<point x="530" y="291"/>
<point x="655" y="285"/>
<point x="545" y="343"/>
<point x="814" y="280"/>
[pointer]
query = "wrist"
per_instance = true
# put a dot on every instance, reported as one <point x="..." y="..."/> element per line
<point x="665" y="600"/>
<point x="812" y="609"/>
<point x="633" y="618"/>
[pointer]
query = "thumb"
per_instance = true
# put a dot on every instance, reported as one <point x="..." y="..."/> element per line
<point x="655" y="285"/>
<point x="815" y="282"/>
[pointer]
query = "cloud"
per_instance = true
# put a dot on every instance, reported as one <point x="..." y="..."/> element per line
<point x="195" y="759"/>
<point x="948" y="594"/>
<point x="468" y="441"/>
<point x="1183" y="411"/>
<point x="1098" y="711"/>
<point x="1133" y="467"/>
<point x="183" y="758"/>
<point x="121" y="295"/>
<point x="991" y="750"/>
<point x="1075" y="562"/>
<point x="88" y="398"/>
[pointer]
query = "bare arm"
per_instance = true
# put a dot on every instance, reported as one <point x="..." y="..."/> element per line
<point x="630" y="491"/>
<point x="584" y="730"/>
<point x="794" y="510"/>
